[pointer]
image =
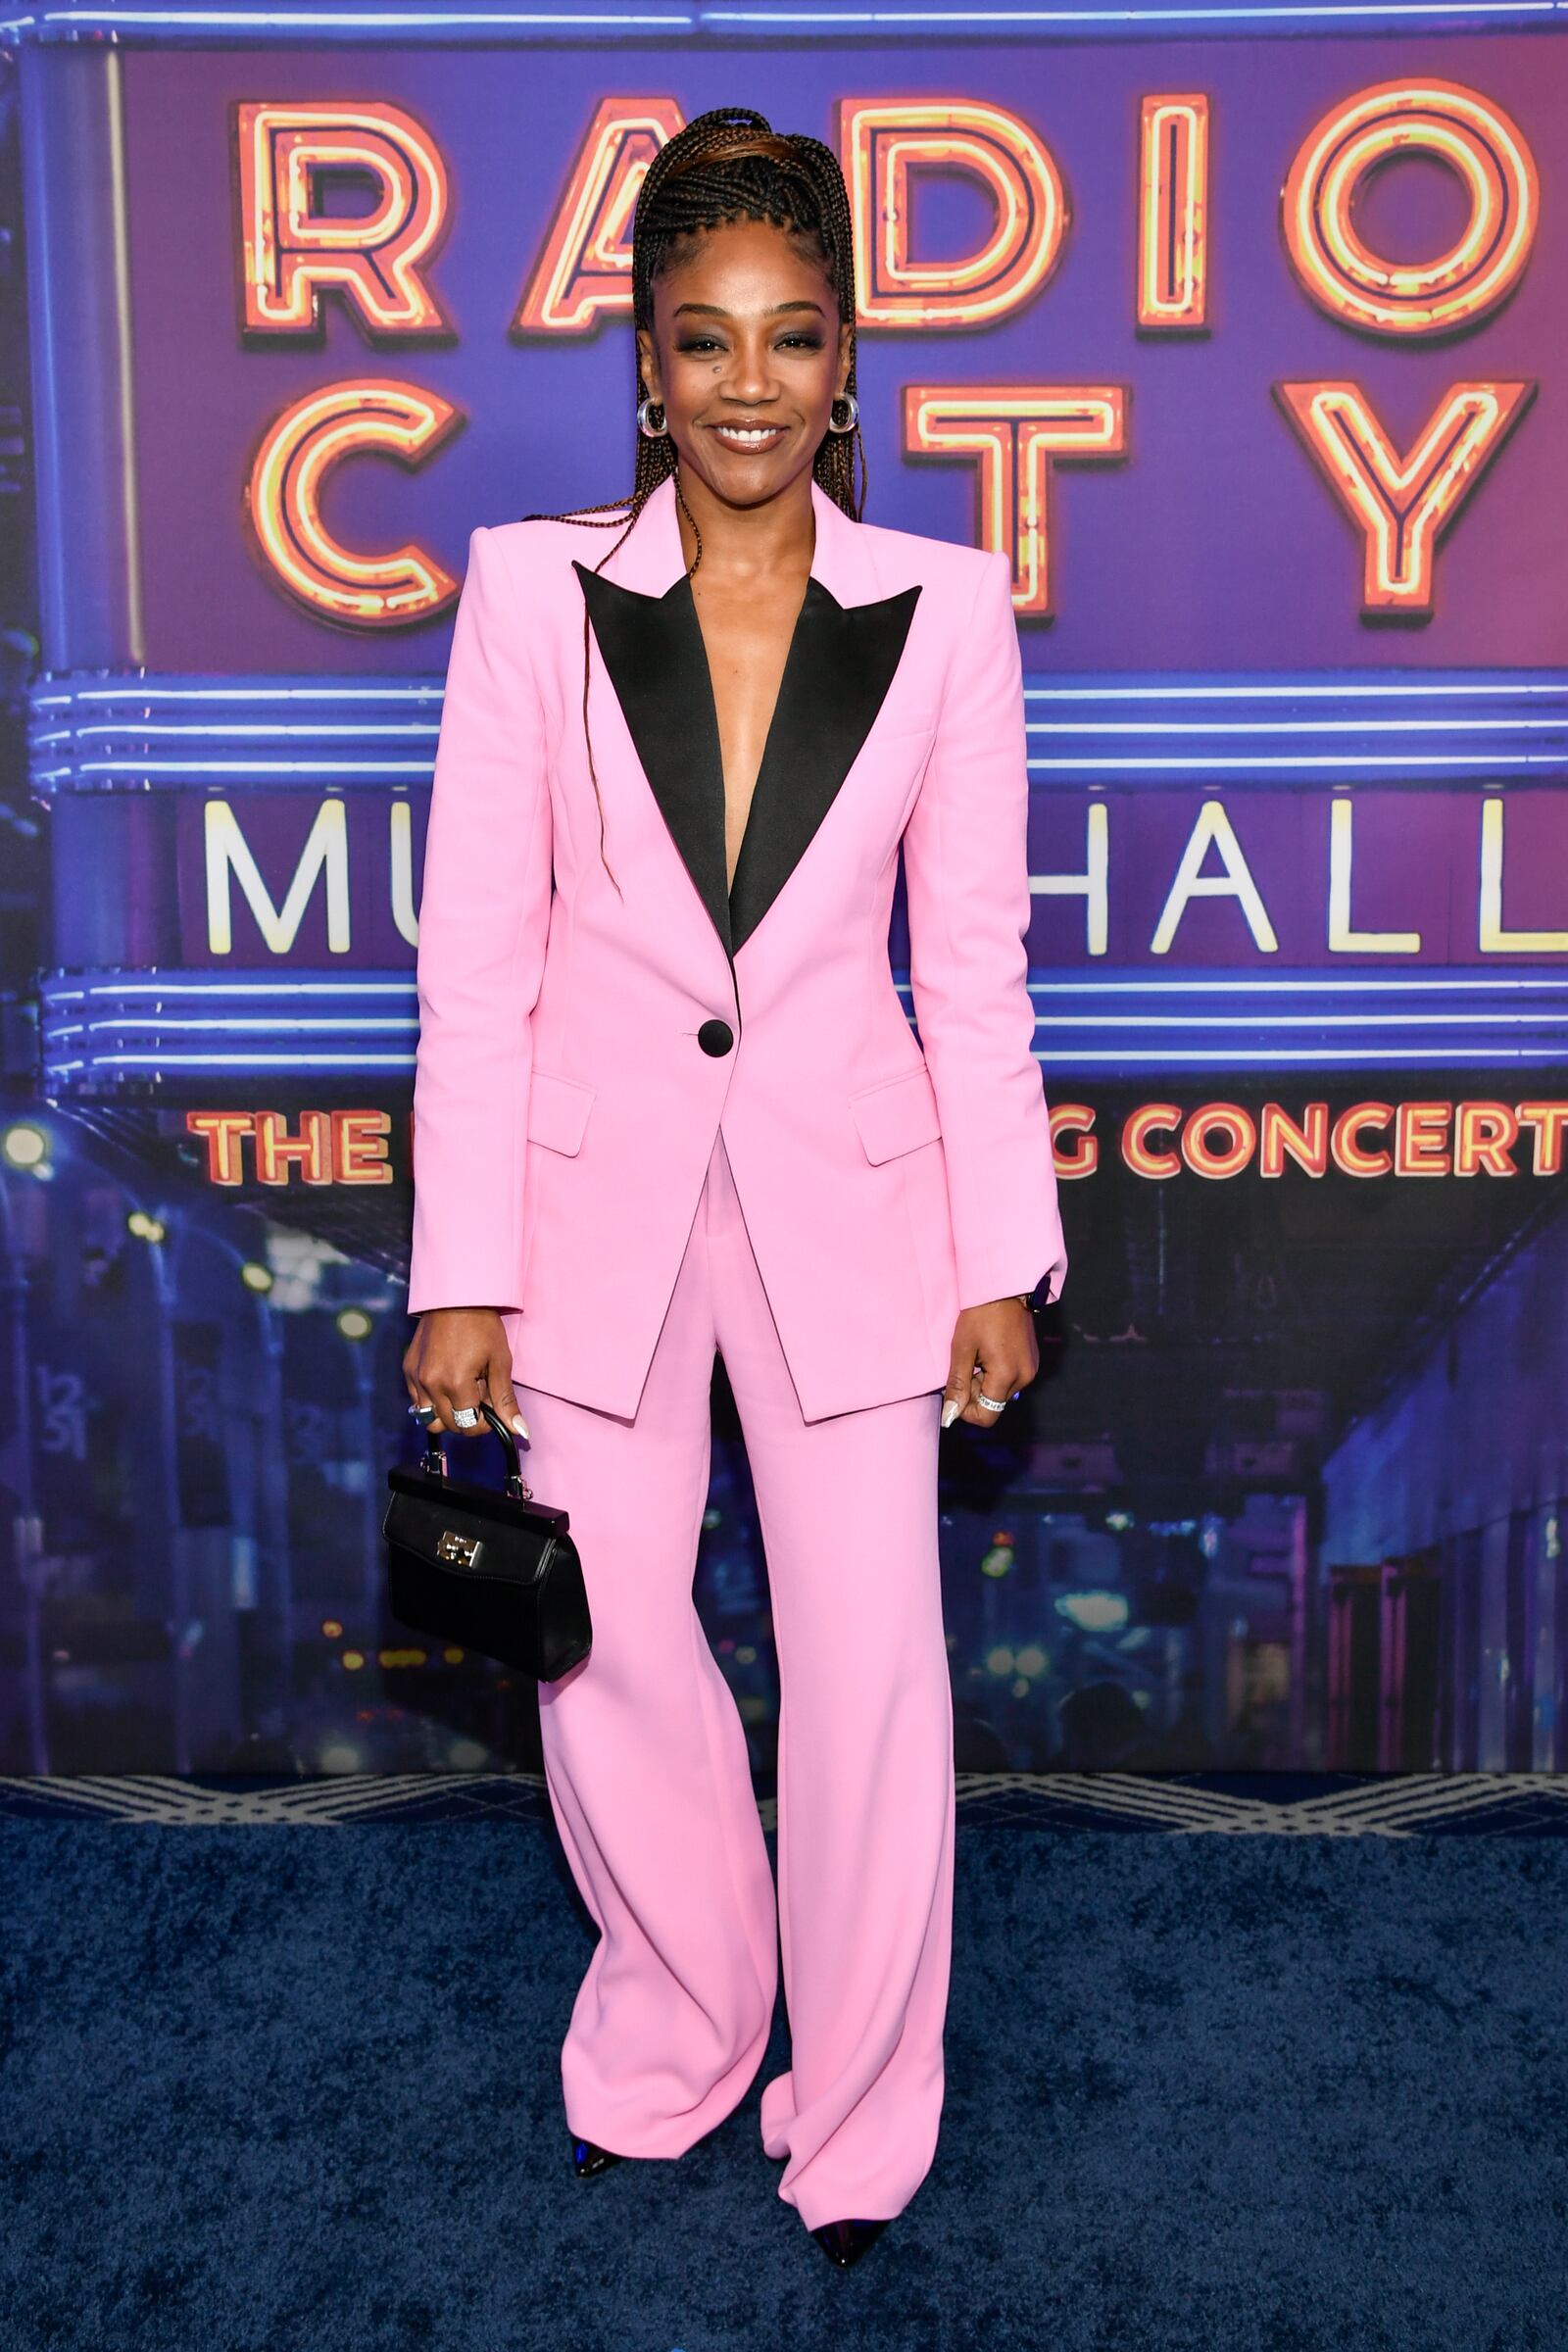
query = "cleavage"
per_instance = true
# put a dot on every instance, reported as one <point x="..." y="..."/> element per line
<point x="748" y="656"/>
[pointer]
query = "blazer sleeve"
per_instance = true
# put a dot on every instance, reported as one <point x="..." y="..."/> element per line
<point x="967" y="880"/>
<point x="483" y="916"/>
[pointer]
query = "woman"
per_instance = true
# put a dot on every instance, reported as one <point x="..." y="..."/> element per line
<point x="667" y="1103"/>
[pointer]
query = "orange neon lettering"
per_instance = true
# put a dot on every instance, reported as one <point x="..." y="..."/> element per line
<point x="584" y="272"/>
<point x="284" y="493"/>
<point x="1018" y="434"/>
<point x="1402" y="506"/>
<point x="292" y="252"/>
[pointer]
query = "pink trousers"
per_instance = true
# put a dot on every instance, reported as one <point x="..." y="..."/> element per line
<point x="650" y="1784"/>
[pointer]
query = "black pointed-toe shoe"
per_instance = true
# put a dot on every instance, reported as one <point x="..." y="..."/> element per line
<point x="589" y="2157"/>
<point x="845" y="2243"/>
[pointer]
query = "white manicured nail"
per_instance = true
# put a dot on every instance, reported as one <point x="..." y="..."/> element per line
<point x="950" y="1412"/>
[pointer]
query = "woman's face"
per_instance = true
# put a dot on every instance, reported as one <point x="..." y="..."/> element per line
<point x="746" y="332"/>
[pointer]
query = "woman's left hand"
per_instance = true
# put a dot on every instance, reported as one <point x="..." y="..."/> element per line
<point x="993" y="1351"/>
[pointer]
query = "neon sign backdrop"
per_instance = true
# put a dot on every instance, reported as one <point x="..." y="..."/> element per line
<point x="1398" y="502"/>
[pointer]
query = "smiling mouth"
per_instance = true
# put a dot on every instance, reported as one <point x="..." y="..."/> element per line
<point x="748" y="436"/>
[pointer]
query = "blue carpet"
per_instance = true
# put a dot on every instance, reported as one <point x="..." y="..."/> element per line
<point x="296" y="2090"/>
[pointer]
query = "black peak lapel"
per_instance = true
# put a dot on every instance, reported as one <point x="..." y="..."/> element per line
<point x="841" y="663"/>
<point x="653" y="649"/>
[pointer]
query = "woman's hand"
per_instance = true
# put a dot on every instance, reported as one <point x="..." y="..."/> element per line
<point x="459" y="1357"/>
<point x="994" y="1351"/>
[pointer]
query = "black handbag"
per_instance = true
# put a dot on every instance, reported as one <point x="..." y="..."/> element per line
<point x="498" y="1572"/>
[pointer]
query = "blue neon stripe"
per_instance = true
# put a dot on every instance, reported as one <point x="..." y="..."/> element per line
<point x="258" y="26"/>
<point x="100" y="1034"/>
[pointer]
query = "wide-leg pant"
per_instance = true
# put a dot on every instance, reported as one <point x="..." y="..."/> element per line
<point x="649" y="1781"/>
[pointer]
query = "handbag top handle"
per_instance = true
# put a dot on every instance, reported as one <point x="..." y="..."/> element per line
<point x="434" y="1461"/>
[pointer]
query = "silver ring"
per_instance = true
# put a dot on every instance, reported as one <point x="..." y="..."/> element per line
<point x="992" y="1404"/>
<point x="423" y="1412"/>
<point x="465" y="1417"/>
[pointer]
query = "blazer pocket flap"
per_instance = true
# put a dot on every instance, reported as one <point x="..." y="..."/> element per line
<point x="896" y="1113"/>
<point x="558" y="1110"/>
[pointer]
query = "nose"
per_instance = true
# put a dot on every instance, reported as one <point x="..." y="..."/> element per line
<point x="749" y="376"/>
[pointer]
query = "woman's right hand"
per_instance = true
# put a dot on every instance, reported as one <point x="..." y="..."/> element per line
<point x="459" y="1356"/>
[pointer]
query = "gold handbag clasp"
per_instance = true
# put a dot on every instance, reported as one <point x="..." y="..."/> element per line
<point x="464" y="1550"/>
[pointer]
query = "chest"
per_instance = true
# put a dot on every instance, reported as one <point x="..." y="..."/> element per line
<point x="746" y="641"/>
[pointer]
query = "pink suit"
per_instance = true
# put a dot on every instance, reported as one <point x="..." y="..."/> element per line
<point x="652" y="1122"/>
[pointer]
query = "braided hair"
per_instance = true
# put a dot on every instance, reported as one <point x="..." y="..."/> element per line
<point x="727" y="164"/>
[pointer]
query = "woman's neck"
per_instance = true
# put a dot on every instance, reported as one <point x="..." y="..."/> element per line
<point x="773" y="540"/>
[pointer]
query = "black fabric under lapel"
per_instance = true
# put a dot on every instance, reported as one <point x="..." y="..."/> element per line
<point x="841" y="663"/>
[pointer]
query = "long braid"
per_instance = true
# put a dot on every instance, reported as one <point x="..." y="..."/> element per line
<point x="728" y="165"/>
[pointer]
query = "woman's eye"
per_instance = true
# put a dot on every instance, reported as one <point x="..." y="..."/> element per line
<point x="699" y="343"/>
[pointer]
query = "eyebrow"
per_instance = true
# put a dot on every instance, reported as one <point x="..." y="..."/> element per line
<point x="713" y="310"/>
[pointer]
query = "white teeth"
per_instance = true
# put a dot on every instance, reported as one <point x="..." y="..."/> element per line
<point x="753" y="435"/>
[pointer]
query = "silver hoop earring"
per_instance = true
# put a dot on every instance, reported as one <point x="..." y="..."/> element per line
<point x="645" y="408"/>
<point x="854" y="416"/>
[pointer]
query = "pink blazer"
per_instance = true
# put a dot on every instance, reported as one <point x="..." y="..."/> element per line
<point x="579" y="1048"/>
